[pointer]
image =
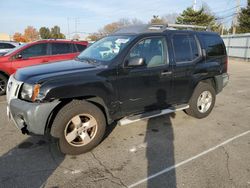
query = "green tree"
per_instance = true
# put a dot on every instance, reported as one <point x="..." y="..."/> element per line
<point x="200" y="17"/>
<point x="244" y="20"/>
<point x="44" y="33"/>
<point x="55" y="33"/>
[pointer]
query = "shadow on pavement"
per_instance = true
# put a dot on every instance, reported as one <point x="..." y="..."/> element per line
<point x="160" y="151"/>
<point x="30" y="164"/>
<point x="160" y="145"/>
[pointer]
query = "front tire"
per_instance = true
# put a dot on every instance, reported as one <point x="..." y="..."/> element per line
<point x="80" y="126"/>
<point x="202" y="101"/>
<point x="3" y="84"/>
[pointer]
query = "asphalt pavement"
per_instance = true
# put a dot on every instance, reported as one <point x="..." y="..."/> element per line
<point x="168" y="151"/>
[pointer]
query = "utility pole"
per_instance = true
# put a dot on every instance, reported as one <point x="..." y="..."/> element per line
<point x="76" y="22"/>
<point x="222" y="29"/>
<point x="194" y="4"/>
<point x="68" y="27"/>
<point x="236" y="16"/>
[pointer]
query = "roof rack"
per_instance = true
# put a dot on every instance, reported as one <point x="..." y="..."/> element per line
<point x="145" y="28"/>
<point x="187" y="26"/>
<point x="168" y="26"/>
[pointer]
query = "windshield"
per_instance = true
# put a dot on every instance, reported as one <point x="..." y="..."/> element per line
<point x="14" y="49"/>
<point x="107" y="48"/>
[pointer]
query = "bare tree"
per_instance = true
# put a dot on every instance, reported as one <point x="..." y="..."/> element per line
<point x="170" y="18"/>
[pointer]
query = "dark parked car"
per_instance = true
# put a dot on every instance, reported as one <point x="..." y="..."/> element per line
<point x="135" y="73"/>
<point x="38" y="52"/>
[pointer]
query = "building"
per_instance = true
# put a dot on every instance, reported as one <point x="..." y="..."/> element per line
<point x="4" y="36"/>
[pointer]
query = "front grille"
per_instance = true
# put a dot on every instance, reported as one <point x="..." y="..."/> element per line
<point x="13" y="88"/>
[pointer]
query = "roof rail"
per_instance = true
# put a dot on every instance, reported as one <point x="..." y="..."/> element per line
<point x="187" y="26"/>
<point x="146" y="28"/>
<point x="163" y="27"/>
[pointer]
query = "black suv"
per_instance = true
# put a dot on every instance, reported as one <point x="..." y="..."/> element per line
<point x="138" y="72"/>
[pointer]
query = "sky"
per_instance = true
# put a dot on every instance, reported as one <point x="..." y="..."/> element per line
<point x="92" y="15"/>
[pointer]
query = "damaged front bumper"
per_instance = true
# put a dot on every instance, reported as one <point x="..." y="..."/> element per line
<point x="30" y="117"/>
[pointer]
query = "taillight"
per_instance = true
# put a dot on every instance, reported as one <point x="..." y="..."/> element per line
<point x="226" y="64"/>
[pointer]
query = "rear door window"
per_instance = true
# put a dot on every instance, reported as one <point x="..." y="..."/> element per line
<point x="61" y="48"/>
<point x="185" y="48"/>
<point x="214" y="45"/>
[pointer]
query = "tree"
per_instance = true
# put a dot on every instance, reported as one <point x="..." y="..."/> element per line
<point x="157" y="20"/>
<point x="170" y="18"/>
<point x="31" y="34"/>
<point x="44" y="33"/>
<point x="18" y="37"/>
<point x="56" y="33"/>
<point x="114" y="26"/>
<point x="110" y="28"/>
<point x="244" y="20"/>
<point x="136" y="21"/>
<point x="199" y="17"/>
<point x="94" y="37"/>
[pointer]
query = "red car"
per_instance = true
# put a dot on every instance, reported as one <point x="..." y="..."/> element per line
<point x="38" y="52"/>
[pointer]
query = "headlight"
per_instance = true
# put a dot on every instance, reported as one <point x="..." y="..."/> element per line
<point x="30" y="92"/>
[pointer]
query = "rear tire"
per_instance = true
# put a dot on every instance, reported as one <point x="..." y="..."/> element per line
<point x="3" y="84"/>
<point x="202" y="101"/>
<point x="80" y="126"/>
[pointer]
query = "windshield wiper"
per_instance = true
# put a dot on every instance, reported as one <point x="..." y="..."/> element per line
<point x="88" y="60"/>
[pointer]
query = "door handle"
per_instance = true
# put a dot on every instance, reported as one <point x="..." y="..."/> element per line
<point x="165" y="73"/>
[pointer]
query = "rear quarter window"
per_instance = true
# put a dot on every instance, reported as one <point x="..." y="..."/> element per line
<point x="214" y="45"/>
<point x="81" y="47"/>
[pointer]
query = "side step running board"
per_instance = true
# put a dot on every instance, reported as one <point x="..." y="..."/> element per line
<point x="148" y="115"/>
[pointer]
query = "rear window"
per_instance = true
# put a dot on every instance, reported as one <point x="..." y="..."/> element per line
<point x="214" y="45"/>
<point x="61" y="48"/>
<point x="6" y="46"/>
<point x="81" y="47"/>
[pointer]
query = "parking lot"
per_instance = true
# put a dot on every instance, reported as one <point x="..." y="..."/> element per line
<point x="168" y="151"/>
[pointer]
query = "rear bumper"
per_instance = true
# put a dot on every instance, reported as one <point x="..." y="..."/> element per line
<point x="221" y="81"/>
<point x="30" y="116"/>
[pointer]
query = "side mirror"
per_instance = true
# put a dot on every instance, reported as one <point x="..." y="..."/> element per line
<point x="136" y="62"/>
<point x="18" y="56"/>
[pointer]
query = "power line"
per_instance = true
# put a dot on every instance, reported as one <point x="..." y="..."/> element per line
<point x="218" y="12"/>
<point x="224" y="17"/>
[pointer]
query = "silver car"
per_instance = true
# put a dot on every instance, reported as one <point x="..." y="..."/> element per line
<point x="6" y="46"/>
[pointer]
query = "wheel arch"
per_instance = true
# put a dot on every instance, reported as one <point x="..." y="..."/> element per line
<point x="5" y="74"/>
<point x="209" y="80"/>
<point x="96" y="100"/>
